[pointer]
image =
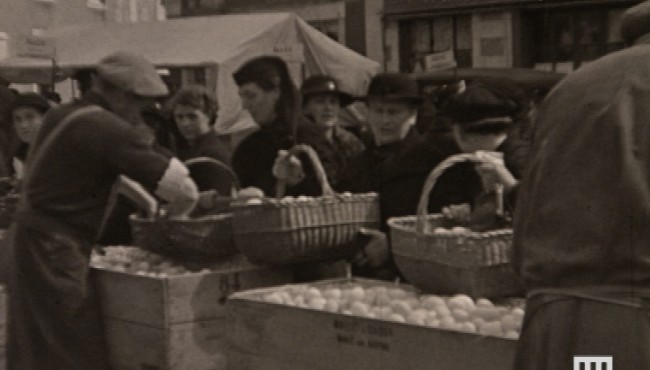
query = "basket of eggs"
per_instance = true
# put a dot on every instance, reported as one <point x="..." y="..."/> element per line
<point x="444" y="255"/>
<point x="290" y="230"/>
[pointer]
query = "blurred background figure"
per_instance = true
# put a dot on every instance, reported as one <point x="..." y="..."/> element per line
<point x="27" y="115"/>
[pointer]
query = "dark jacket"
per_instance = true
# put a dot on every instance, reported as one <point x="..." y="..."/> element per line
<point x="208" y="176"/>
<point x="208" y="145"/>
<point x="253" y="159"/>
<point x="334" y="154"/>
<point x="584" y="205"/>
<point x="394" y="171"/>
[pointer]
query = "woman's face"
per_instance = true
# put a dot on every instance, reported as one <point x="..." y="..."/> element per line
<point x="469" y="142"/>
<point x="259" y="102"/>
<point x="390" y="120"/>
<point x="27" y="122"/>
<point x="191" y="122"/>
<point x="323" y="108"/>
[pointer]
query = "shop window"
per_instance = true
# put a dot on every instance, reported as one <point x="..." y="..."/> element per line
<point x="576" y="36"/>
<point x="420" y="37"/>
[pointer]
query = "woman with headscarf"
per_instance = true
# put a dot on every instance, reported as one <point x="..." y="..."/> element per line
<point x="269" y="94"/>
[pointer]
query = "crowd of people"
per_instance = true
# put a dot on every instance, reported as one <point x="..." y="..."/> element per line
<point x="573" y="171"/>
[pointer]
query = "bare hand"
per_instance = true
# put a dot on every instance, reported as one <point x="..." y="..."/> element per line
<point x="288" y="168"/>
<point x="458" y="212"/>
<point x="492" y="170"/>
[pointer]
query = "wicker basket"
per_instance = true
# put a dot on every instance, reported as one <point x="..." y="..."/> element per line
<point x="473" y="263"/>
<point x="8" y="204"/>
<point x="207" y="235"/>
<point x="279" y="232"/>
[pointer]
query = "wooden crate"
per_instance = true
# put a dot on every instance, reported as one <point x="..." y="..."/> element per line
<point x="265" y="336"/>
<point x="176" y="322"/>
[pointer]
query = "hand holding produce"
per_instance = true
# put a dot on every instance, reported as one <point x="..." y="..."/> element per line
<point x="492" y="170"/>
<point x="458" y="212"/>
<point x="288" y="168"/>
<point x="458" y="313"/>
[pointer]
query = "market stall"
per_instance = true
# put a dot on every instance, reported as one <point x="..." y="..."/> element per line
<point x="207" y="50"/>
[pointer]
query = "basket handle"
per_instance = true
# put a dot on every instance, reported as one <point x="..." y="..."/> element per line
<point x="321" y="176"/>
<point x="423" y="204"/>
<point x="197" y="160"/>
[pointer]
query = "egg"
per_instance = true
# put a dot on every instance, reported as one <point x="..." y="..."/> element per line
<point x="396" y="317"/>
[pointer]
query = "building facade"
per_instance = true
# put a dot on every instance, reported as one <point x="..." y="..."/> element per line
<point x="557" y="35"/>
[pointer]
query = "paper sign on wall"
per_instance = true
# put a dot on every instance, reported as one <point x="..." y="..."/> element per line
<point x="441" y="60"/>
<point x="36" y="47"/>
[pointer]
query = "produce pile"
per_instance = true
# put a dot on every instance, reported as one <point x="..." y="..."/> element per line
<point x="303" y="199"/>
<point x="138" y="261"/>
<point x="458" y="313"/>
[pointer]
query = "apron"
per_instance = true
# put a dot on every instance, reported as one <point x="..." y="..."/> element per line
<point x="601" y="321"/>
<point x="54" y="318"/>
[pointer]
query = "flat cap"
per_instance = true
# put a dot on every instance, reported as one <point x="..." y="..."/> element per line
<point x="132" y="72"/>
<point x="636" y="22"/>
<point x="483" y="105"/>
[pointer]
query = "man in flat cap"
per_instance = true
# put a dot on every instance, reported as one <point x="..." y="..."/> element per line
<point x="81" y="150"/>
<point x="582" y="224"/>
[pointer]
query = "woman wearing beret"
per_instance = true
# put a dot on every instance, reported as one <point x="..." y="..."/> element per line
<point x="27" y="116"/>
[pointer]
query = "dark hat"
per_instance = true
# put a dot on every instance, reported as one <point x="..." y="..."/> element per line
<point x="32" y="100"/>
<point x="394" y="86"/>
<point x="483" y="107"/>
<point x="132" y="72"/>
<point x="321" y="84"/>
<point x="635" y="22"/>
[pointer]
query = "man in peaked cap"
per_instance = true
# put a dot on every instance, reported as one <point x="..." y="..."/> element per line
<point x="581" y="235"/>
<point x="81" y="150"/>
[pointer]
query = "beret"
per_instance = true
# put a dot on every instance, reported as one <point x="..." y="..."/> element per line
<point x="635" y="22"/>
<point x="133" y="73"/>
<point x="32" y="100"/>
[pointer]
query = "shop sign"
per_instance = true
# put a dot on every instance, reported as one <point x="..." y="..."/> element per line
<point x="441" y="60"/>
<point x="42" y="47"/>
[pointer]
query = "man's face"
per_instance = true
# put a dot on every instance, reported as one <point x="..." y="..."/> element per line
<point x="390" y="120"/>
